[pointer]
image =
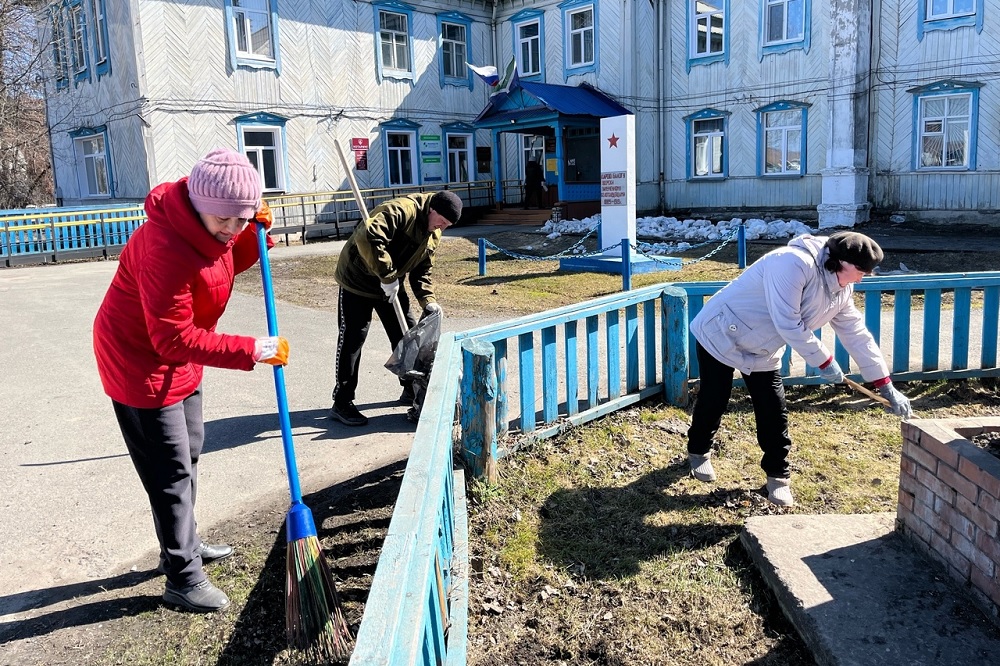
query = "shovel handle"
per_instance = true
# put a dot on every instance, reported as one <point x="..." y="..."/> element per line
<point x="863" y="390"/>
<point x="399" y="314"/>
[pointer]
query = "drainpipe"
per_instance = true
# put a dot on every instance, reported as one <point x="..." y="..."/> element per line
<point x="661" y="147"/>
<point x="495" y="46"/>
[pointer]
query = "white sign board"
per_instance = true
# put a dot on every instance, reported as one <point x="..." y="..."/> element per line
<point x="617" y="182"/>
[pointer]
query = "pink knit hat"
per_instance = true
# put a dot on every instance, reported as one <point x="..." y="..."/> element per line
<point x="224" y="183"/>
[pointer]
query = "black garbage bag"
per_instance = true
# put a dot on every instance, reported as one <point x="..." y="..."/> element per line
<point x="413" y="359"/>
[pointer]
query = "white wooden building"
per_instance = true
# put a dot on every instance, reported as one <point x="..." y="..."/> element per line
<point x="786" y="106"/>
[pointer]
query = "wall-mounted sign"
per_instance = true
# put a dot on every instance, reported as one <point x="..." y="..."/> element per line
<point x="430" y="157"/>
<point x="360" y="148"/>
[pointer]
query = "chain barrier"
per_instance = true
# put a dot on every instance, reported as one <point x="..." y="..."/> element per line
<point x="657" y="258"/>
<point x="690" y="262"/>
<point x="558" y="255"/>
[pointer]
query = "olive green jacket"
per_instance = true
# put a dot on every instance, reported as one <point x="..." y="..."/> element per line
<point x="392" y="242"/>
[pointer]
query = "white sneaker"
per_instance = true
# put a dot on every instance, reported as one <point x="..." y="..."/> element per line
<point x="779" y="491"/>
<point x="701" y="466"/>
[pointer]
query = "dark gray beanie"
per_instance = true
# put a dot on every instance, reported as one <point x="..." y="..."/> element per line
<point x="448" y="205"/>
<point x="855" y="248"/>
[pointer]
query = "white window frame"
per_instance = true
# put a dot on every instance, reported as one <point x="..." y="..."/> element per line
<point x="453" y="51"/>
<point x="256" y="154"/>
<point x="946" y="121"/>
<point x="395" y="155"/>
<point x="96" y="161"/>
<point x="399" y="40"/>
<point x="243" y="18"/>
<point x="534" y="54"/>
<point x="783" y="131"/>
<point x="456" y="155"/>
<point x="785" y="39"/>
<point x="78" y="39"/>
<point x="713" y="140"/>
<point x="579" y="35"/>
<point x="60" y="57"/>
<point x="951" y="13"/>
<point x="532" y="148"/>
<point x="699" y="17"/>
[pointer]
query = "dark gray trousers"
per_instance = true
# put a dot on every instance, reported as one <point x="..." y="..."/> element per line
<point x="767" y="394"/>
<point x="165" y="445"/>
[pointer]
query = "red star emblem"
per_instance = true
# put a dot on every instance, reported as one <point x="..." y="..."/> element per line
<point x="613" y="141"/>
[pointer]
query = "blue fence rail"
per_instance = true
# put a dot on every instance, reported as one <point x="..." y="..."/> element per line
<point x="44" y="235"/>
<point x="566" y="366"/>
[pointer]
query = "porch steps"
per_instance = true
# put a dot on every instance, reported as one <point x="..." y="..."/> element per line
<point x="527" y="217"/>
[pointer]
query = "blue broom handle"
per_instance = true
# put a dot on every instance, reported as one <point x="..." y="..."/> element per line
<point x="279" y="371"/>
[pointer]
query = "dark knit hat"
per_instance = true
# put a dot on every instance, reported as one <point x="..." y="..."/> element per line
<point x="855" y="248"/>
<point x="447" y="204"/>
<point x="224" y="183"/>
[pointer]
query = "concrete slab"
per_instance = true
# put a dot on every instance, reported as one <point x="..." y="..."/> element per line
<point x="859" y="594"/>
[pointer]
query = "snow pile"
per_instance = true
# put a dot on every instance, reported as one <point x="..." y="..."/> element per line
<point x="684" y="234"/>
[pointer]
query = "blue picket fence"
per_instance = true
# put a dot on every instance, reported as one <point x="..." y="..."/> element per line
<point x="563" y="367"/>
<point x="45" y="235"/>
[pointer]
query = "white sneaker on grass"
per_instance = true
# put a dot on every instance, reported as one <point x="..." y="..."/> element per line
<point x="779" y="491"/>
<point x="701" y="466"/>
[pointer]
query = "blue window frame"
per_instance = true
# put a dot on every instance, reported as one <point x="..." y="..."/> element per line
<point x="261" y="137"/>
<point x="454" y="45"/>
<point x="99" y="21"/>
<point x="252" y="27"/>
<point x="400" y="152"/>
<point x="785" y="25"/>
<point x="948" y="15"/>
<point x="580" y="36"/>
<point x="945" y="126"/>
<point x="93" y="163"/>
<point x="459" y="143"/>
<point x="394" y="40"/>
<point x="529" y="43"/>
<point x="781" y="139"/>
<point x="79" y="58"/>
<point x="707" y="145"/>
<point x="707" y="32"/>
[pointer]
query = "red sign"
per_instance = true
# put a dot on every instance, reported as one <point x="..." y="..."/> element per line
<point x="360" y="148"/>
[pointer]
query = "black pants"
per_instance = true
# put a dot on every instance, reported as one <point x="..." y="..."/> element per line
<point x="533" y="193"/>
<point x="354" y="318"/>
<point x="165" y="445"/>
<point x="767" y="394"/>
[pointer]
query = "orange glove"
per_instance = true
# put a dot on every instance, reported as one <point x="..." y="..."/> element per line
<point x="272" y="350"/>
<point x="264" y="215"/>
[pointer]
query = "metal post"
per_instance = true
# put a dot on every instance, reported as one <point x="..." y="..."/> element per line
<point x="626" y="265"/>
<point x="741" y="245"/>
<point x="482" y="256"/>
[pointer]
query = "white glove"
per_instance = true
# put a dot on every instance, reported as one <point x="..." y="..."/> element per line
<point x="899" y="403"/>
<point x="832" y="372"/>
<point x="431" y="309"/>
<point x="390" y="289"/>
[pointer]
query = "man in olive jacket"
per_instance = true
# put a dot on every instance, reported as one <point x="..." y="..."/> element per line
<point x="399" y="238"/>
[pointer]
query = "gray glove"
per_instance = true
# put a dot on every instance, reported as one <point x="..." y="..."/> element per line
<point x="832" y="373"/>
<point x="899" y="403"/>
<point x="390" y="289"/>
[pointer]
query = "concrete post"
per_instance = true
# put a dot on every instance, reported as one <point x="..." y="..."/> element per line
<point x="845" y="178"/>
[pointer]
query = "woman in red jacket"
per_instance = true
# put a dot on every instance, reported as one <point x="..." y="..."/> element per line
<point x="154" y="333"/>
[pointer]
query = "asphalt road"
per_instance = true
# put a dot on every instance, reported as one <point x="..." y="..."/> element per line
<point x="72" y="510"/>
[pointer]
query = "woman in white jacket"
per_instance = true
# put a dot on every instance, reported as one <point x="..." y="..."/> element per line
<point x="780" y="300"/>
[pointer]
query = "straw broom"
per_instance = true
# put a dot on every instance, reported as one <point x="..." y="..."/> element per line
<point x="314" y="618"/>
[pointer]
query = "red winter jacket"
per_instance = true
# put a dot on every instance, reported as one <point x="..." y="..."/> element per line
<point x="155" y="329"/>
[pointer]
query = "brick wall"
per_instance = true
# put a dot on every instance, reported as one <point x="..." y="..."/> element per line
<point x="949" y="502"/>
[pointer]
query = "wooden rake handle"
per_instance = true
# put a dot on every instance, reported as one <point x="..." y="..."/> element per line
<point x="871" y="394"/>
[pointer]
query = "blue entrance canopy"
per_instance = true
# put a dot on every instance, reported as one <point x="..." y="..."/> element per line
<point x="531" y="104"/>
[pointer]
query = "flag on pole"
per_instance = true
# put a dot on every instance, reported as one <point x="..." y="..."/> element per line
<point x="489" y="74"/>
<point x="509" y="78"/>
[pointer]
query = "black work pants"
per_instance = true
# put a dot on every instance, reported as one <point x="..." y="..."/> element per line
<point x="165" y="444"/>
<point x="767" y="394"/>
<point x="354" y="318"/>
